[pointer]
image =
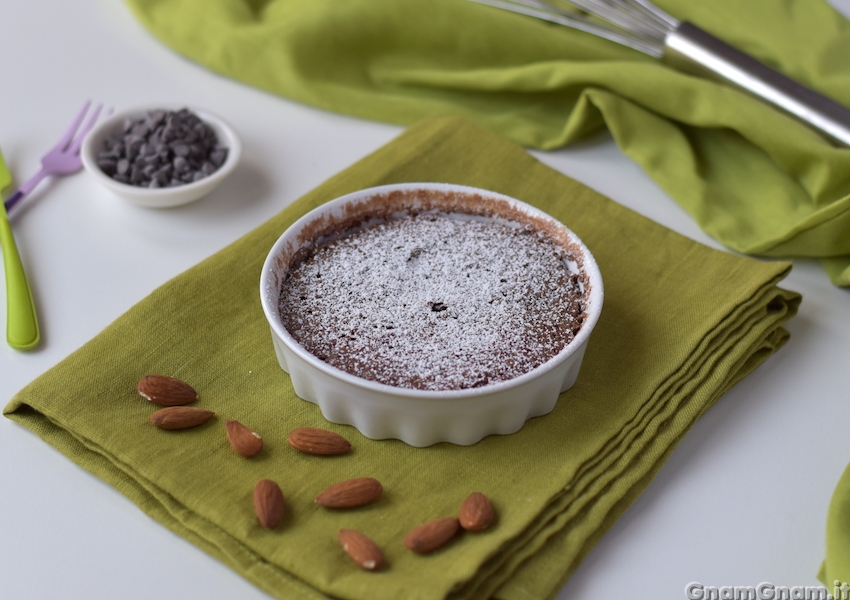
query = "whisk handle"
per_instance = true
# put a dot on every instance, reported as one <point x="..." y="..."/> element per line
<point x="688" y="48"/>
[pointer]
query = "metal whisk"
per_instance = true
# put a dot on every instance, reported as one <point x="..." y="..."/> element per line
<point x="641" y="25"/>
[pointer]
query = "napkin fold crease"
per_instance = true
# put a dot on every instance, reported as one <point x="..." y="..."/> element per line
<point x="682" y="323"/>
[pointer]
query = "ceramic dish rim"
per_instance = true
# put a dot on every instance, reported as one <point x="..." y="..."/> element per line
<point x="595" y="298"/>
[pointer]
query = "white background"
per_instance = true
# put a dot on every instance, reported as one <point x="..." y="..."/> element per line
<point x="742" y="500"/>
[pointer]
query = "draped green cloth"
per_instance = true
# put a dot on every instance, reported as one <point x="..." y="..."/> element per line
<point x="756" y="180"/>
<point x="836" y="565"/>
<point x="666" y="347"/>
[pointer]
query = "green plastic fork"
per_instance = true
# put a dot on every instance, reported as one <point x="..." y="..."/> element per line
<point x="21" y="321"/>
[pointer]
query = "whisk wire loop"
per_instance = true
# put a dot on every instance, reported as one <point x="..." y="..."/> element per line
<point x="620" y="14"/>
<point x="642" y="26"/>
<point x="637" y="24"/>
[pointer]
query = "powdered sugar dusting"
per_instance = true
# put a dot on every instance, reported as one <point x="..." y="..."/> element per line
<point x="436" y="301"/>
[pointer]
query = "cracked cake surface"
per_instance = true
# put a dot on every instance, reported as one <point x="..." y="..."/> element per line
<point x="436" y="300"/>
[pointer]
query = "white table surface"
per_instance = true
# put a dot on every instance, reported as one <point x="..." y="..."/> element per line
<point x="742" y="500"/>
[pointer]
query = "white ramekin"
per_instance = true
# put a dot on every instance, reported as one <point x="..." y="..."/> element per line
<point x="419" y="417"/>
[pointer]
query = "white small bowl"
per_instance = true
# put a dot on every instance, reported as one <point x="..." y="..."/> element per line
<point x="167" y="196"/>
<point x="421" y="417"/>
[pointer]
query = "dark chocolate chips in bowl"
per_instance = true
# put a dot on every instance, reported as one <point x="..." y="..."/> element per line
<point x="162" y="149"/>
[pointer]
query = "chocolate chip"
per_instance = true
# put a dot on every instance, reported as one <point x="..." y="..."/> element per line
<point x="218" y="156"/>
<point x="107" y="165"/>
<point x="167" y="148"/>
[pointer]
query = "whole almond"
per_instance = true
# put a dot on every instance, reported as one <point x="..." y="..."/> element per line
<point x="166" y="391"/>
<point x="243" y="440"/>
<point x="318" y="441"/>
<point x="351" y="493"/>
<point x="476" y="512"/>
<point x="362" y="550"/>
<point x="268" y="503"/>
<point x="431" y="535"/>
<point x="180" y="417"/>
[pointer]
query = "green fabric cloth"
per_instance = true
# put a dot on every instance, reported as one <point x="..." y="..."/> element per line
<point x="836" y="565"/>
<point x="667" y="346"/>
<point x="756" y="180"/>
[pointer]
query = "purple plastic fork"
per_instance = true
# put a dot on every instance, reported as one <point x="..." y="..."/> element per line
<point x="64" y="158"/>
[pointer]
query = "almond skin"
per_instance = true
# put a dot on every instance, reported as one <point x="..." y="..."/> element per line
<point x="351" y="493"/>
<point x="166" y="391"/>
<point x="476" y="512"/>
<point x="431" y="535"/>
<point x="180" y="417"/>
<point x="268" y="503"/>
<point x="243" y="440"/>
<point x="362" y="550"/>
<point x="312" y="440"/>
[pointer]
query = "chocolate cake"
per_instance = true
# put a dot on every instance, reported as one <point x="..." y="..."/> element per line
<point x="436" y="300"/>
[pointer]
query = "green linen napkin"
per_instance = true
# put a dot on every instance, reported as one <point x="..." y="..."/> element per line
<point x="756" y="180"/>
<point x="681" y="324"/>
<point x="836" y="564"/>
